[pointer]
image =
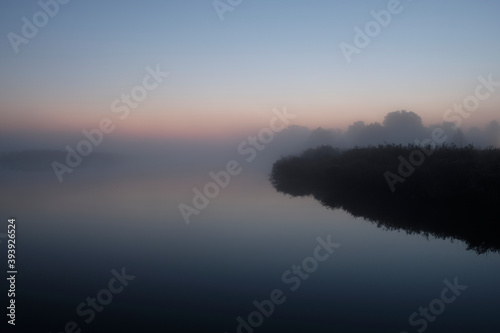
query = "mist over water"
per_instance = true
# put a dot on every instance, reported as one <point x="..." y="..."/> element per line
<point x="120" y="209"/>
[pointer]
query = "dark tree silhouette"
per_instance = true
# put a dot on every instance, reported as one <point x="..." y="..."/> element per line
<point x="454" y="194"/>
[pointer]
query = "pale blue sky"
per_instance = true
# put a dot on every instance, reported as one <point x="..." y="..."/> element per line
<point x="263" y="55"/>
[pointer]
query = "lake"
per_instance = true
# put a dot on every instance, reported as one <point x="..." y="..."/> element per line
<point x="220" y="272"/>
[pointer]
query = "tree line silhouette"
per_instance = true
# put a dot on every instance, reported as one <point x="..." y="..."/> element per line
<point x="454" y="194"/>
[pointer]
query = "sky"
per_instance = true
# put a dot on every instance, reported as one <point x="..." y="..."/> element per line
<point x="226" y="75"/>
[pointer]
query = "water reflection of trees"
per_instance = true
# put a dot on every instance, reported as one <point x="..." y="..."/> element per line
<point x="454" y="194"/>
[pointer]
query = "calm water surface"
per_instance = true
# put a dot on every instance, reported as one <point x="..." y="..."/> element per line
<point x="203" y="276"/>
